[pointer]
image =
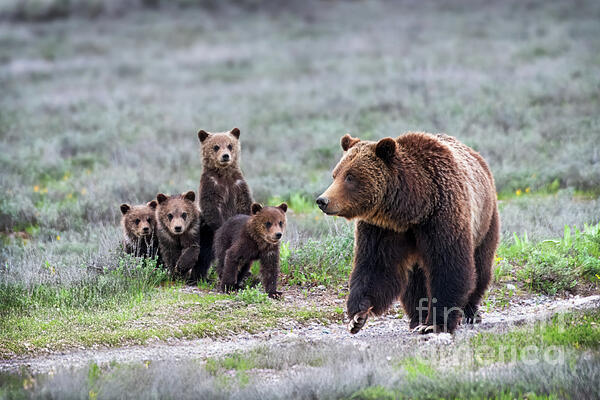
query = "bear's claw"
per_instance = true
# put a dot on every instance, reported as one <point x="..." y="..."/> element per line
<point x="358" y="321"/>
<point x="424" y="329"/>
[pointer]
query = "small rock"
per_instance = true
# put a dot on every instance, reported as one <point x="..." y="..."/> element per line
<point x="510" y="286"/>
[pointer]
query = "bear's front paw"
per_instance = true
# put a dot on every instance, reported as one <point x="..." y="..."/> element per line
<point x="424" y="329"/>
<point x="275" y="295"/>
<point x="358" y="321"/>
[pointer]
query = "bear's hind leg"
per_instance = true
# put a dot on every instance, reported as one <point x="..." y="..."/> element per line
<point x="414" y="297"/>
<point x="450" y="269"/>
<point x="484" y="260"/>
<point x="243" y="274"/>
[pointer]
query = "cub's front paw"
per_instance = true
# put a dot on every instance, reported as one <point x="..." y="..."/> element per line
<point x="276" y="295"/>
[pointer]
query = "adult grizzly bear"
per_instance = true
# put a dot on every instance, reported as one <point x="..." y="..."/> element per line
<point x="427" y="227"/>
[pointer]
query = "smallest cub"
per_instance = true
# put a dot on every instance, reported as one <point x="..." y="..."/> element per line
<point x="247" y="238"/>
<point x="139" y="229"/>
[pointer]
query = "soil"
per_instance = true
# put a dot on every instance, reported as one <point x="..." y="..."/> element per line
<point x="518" y="311"/>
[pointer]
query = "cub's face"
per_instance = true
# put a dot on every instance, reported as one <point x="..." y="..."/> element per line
<point x="269" y="222"/>
<point x="177" y="212"/>
<point x="360" y="178"/>
<point x="220" y="150"/>
<point x="139" y="220"/>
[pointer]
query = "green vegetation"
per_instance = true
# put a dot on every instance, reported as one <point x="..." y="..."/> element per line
<point x="306" y="370"/>
<point x="97" y="111"/>
<point x="552" y="266"/>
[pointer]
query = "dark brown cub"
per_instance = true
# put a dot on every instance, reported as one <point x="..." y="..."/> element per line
<point x="244" y="239"/>
<point x="178" y="228"/>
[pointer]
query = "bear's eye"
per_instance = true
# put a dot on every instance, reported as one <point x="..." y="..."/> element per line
<point x="170" y="216"/>
<point x="149" y="220"/>
<point x="216" y="148"/>
<point x="281" y="224"/>
<point x="137" y="221"/>
<point x="230" y="147"/>
<point x="268" y="225"/>
<point x="184" y="215"/>
<point x="349" y="178"/>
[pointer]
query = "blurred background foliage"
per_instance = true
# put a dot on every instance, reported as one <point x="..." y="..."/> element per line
<point x="101" y="101"/>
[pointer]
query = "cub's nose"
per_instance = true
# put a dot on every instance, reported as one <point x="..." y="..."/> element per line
<point x="322" y="202"/>
<point x="278" y="235"/>
<point x="225" y="157"/>
<point x="177" y="229"/>
<point x="146" y="229"/>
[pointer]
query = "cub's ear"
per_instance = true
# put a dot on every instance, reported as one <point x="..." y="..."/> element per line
<point x="386" y="149"/>
<point x="125" y="208"/>
<point x="348" y="141"/>
<point x="256" y="208"/>
<point x="203" y="135"/>
<point x="161" y="198"/>
<point x="283" y="207"/>
<point x="235" y="132"/>
<point x="190" y="196"/>
<point x="152" y="204"/>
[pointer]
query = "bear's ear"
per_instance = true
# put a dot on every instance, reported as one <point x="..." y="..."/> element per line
<point x="256" y="208"/>
<point x="152" y="204"/>
<point x="386" y="149"/>
<point x="125" y="208"/>
<point x="203" y="135"/>
<point x="190" y="196"/>
<point x="283" y="207"/>
<point x="161" y="198"/>
<point x="235" y="132"/>
<point x="348" y="141"/>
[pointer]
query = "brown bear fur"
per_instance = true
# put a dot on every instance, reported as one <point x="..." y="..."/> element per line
<point x="427" y="227"/>
<point x="223" y="191"/>
<point x="244" y="239"/>
<point x="139" y="229"/>
<point x="178" y="229"/>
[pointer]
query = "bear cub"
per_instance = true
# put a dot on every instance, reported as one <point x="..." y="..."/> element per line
<point x="139" y="229"/>
<point x="178" y="230"/>
<point x="244" y="239"/>
<point x="223" y="191"/>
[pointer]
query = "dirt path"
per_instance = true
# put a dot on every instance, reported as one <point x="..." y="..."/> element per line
<point x="518" y="312"/>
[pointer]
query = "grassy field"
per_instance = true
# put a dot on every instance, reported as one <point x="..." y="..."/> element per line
<point x="101" y="101"/>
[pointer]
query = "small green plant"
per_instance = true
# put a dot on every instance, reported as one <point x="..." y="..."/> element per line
<point x="252" y="295"/>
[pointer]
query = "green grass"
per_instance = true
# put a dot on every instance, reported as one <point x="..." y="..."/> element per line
<point x="580" y="331"/>
<point x="552" y="266"/>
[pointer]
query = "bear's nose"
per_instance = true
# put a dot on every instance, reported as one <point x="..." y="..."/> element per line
<point x="178" y="229"/>
<point x="146" y="229"/>
<point x="278" y="235"/>
<point x="225" y="157"/>
<point x="322" y="202"/>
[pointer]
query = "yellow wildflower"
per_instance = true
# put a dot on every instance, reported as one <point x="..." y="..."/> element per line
<point x="57" y="237"/>
<point x="36" y="188"/>
<point x="69" y="195"/>
<point x="527" y="189"/>
<point x="518" y="192"/>
<point x="45" y="190"/>
<point x="84" y="191"/>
